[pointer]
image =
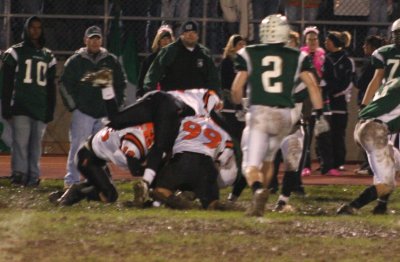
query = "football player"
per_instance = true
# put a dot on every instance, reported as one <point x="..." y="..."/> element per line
<point x="200" y="144"/>
<point x="126" y="148"/>
<point x="376" y="121"/>
<point x="270" y="69"/>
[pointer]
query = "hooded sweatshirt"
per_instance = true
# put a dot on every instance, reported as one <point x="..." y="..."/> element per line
<point x="29" y="78"/>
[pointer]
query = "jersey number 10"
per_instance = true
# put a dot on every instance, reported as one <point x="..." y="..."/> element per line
<point x="41" y="69"/>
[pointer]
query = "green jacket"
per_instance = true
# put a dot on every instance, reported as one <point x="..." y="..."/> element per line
<point x="82" y="95"/>
<point x="177" y="68"/>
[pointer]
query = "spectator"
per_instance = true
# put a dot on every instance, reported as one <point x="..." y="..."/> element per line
<point x="184" y="64"/>
<point x="324" y="141"/>
<point x="28" y="100"/>
<point x="233" y="114"/>
<point x="84" y="101"/>
<point x="294" y="40"/>
<point x="163" y="38"/>
<point x="371" y="43"/>
<point x="338" y="79"/>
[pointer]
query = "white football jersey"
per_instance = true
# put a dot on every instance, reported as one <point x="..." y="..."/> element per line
<point x="201" y="100"/>
<point x="202" y="135"/>
<point x="115" y="145"/>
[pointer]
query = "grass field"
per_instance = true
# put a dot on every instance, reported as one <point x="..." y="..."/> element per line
<point x="32" y="229"/>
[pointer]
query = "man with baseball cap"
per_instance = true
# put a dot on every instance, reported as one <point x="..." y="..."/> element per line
<point x="93" y="31"/>
<point x="84" y="101"/>
<point x="184" y="64"/>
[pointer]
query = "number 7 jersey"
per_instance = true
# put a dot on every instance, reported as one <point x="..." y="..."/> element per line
<point x="201" y="135"/>
<point x="272" y="71"/>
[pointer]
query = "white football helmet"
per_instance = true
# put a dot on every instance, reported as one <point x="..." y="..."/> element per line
<point x="274" y="29"/>
<point x="396" y="32"/>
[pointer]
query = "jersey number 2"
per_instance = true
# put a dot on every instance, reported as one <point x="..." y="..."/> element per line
<point x="195" y="130"/>
<point x="268" y="76"/>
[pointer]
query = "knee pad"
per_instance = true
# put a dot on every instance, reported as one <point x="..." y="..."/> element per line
<point x="372" y="135"/>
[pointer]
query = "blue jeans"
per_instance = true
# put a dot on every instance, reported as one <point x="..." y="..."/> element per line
<point x="27" y="134"/>
<point x="82" y="127"/>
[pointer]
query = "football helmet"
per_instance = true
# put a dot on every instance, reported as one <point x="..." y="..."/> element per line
<point x="396" y="32"/>
<point x="274" y="29"/>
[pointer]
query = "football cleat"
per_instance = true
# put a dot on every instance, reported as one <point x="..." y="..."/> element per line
<point x="257" y="205"/>
<point x="54" y="196"/>
<point x="72" y="195"/>
<point x="380" y="210"/>
<point x="345" y="209"/>
<point x="279" y="206"/>
<point x="140" y="193"/>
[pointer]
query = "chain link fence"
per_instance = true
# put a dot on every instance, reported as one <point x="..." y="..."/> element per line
<point x="65" y="22"/>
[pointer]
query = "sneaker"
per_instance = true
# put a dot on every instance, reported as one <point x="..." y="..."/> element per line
<point x="345" y="209"/>
<point x="140" y="193"/>
<point x="19" y="178"/>
<point x="361" y="172"/>
<point x="333" y="172"/>
<point x="33" y="182"/>
<point x="380" y="210"/>
<point x="306" y="172"/>
<point x="257" y="205"/>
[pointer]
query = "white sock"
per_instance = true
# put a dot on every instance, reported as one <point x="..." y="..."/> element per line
<point x="108" y="92"/>
<point x="149" y="175"/>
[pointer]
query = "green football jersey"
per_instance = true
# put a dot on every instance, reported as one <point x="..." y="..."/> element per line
<point x="32" y="69"/>
<point x="387" y="57"/>
<point x="385" y="105"/>
<point x="273" y="70"/>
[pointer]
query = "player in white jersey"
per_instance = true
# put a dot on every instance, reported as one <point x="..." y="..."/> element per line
<point x="126" y="148"/>
<point x="200" y="144"/>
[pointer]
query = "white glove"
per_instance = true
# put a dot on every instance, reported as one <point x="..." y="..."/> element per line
<point x="321" y="126"/>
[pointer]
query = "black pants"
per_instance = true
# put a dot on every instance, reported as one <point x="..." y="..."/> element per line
<point x="96" y="172"/>
<point x="189" y="171"/>
<point x="323" y="147"/>
<point x="338" y="129"/>
<point x="164" y="110"/>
